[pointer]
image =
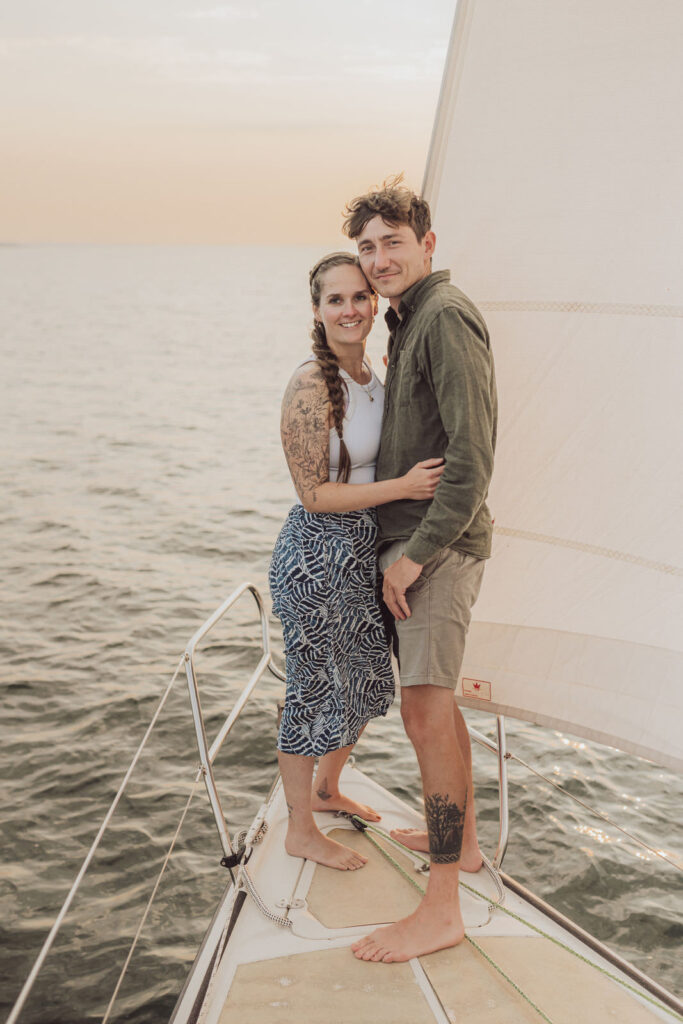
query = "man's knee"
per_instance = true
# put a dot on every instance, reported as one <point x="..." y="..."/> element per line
<point x="425" y="713"/>
<point x="414" y="722"/>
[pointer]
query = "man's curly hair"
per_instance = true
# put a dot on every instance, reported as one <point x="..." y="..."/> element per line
<point x="394" y="203"/>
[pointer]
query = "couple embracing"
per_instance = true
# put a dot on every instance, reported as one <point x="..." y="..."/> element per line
<point x="399" y="472"/>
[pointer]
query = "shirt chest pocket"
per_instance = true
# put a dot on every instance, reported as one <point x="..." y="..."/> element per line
<point x="409" y="386"/>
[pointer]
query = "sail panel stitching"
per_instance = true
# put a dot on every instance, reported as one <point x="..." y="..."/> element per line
<point x="591" y="549"/>
<point x="606" y="308"/>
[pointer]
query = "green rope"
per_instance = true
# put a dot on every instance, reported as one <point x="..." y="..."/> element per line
<point x="425" y="860"/>
<point x="579" y="956"/>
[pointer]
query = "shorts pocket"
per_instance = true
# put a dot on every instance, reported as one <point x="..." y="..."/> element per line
<point x="428" y="570"/>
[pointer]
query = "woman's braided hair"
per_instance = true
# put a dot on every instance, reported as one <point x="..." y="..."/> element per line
<point x="327" y="360"/>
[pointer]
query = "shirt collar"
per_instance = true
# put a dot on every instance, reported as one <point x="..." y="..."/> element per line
<point x="412" y="297"/>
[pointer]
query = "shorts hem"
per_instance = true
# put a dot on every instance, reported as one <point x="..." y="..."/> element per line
<point x="447" y="682"/>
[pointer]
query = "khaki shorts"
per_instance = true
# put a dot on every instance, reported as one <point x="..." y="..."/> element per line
<point x="429" y="646"/>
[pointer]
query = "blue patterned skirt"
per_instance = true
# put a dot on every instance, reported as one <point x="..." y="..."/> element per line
<point x="323" y="579"/>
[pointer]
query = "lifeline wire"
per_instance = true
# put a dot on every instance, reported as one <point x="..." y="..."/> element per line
<point x="598" y="814"/>
<point x="47" y="945"/>
<point x="151" y="899"/>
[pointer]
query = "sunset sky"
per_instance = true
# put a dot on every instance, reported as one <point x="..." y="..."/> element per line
<point x="184" y="121"/>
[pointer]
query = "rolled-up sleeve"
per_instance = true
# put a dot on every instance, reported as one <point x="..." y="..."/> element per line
<point x="457" y="363"/>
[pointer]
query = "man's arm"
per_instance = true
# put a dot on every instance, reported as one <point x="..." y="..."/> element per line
<point x="459" y="367"/>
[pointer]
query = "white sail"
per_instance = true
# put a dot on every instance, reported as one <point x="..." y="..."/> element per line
<point x="556" y="190"/>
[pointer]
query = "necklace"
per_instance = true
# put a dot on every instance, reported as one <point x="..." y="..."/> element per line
<point x="367" y="388"/>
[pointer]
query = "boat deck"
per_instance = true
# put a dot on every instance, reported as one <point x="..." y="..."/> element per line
<point x="307" y="975"/>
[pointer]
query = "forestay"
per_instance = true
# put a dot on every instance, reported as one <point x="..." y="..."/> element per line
<point x="554" y="179"/>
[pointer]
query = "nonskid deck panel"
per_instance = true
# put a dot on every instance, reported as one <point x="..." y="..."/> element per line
<point x="308" y="973"/>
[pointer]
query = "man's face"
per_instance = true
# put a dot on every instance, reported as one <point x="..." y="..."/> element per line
<point x="392" y="258"/>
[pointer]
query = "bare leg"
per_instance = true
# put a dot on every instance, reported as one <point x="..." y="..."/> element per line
<point x="437" y="922"/>
<point x="304" y="838"/>
<point x="326" y="795"/>
<point x="418" y="839"/>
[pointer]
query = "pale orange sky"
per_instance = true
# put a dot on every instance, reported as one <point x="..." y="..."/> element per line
<point x="229" y="123"/>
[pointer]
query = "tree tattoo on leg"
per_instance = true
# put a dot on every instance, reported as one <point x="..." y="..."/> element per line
<point x="445" y="825"/>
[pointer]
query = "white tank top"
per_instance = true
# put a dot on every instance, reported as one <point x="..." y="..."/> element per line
<point x="362" y="428"/>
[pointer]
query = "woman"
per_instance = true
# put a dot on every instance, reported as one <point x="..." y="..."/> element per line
<point x="323" y="572"/>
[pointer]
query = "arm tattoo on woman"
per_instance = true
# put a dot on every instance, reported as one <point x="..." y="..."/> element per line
<point x="305" y="431"/>
<point x="445" y="825"/>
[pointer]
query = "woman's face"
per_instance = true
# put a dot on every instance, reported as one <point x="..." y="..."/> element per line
<point x="347" y="306"/>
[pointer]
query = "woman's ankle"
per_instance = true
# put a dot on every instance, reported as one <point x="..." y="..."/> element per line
<point x="324" y="791"/>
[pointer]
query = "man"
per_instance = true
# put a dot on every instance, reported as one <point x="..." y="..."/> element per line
<point x="440" y="400"/>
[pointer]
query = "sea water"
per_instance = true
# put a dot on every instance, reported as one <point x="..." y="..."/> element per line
<point x="142" y="480"/>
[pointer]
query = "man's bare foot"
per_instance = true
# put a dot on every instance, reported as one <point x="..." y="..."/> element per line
<point x="337" y="802"/>
<point x="317" y="847"/>
<point x="417" y="839"/>
<point x="413" y="838"/>
<point x="431" y="927"/>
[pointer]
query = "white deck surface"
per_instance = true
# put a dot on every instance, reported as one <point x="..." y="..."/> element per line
<point x="307" y="975"/>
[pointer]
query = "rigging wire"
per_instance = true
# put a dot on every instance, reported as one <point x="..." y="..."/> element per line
<point x="151" y="899"/>
<point x="47" y="945"/>
<point x="598" y="814"/>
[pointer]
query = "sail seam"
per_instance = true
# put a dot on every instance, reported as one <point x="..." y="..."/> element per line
<point x="613" y="308"/>
<point x="591" y="549"/>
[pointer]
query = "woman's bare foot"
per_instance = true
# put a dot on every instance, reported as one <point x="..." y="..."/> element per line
<point x="321" y="800"/>
<point x="317" y="847"/>
<point x="417" y="839"/>
<point x="431" y="927"/>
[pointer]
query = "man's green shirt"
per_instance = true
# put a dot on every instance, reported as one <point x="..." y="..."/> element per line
<point x="440" y="401"/>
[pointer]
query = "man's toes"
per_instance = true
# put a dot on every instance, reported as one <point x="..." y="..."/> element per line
<point x="361" y="948"/>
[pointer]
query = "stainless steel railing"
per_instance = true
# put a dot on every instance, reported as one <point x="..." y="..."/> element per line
<point x="500" y="750"/>
<point x="208" y="754"/>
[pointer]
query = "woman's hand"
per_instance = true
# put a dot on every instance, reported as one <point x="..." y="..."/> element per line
<point x="421" y="481"/>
